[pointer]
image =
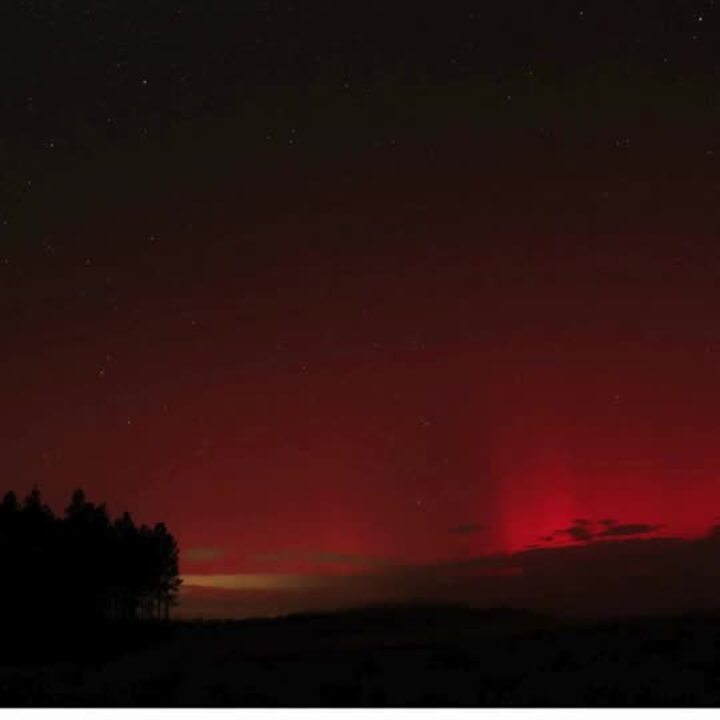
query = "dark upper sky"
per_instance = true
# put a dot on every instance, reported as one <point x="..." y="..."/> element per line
<point x="330" y="287"/>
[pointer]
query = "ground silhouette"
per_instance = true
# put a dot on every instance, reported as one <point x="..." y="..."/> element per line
<point x="401" y="657"/>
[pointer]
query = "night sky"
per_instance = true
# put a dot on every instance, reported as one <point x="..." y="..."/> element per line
<point x="371" y="301"/>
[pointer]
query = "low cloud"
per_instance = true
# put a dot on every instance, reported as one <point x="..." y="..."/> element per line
<point x="465" y="529"/>
<point x="580" y="531"/>
<point x="330" y="558"/>
<point x="252" y="581"/>
<point x="622" y="568"/>
<point x="614" y="529"/>
<point x="585" y="531"/>
<point x="203" y="554"/>
<point x="318" y="557"/>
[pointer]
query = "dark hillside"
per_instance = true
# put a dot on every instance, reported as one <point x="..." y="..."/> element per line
<point x="379" y="657"/>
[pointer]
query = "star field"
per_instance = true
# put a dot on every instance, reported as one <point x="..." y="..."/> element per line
<point x="358" y="285"/>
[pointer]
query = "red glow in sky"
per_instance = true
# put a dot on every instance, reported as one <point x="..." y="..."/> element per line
<point x="389" y="369"/>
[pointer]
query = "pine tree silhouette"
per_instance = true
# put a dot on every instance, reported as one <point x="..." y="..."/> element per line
<point x="83" y="566"/>
<point x="10" y="554"/>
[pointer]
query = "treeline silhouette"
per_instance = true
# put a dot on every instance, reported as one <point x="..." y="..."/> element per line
<point x="83" y="565"/>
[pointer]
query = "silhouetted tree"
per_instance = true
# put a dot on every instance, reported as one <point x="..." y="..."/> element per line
<point x="83" y="566"/>
<point x="9" y="504"/>
<point x="128" y="566"/>
<point x="10" y="554"/>
<point x="87" y="542"/>
<point x="37" y="548"/>
<point x="165" y="570"/>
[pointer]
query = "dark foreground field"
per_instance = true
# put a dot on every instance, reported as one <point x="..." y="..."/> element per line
<point x="401" y="657"/>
